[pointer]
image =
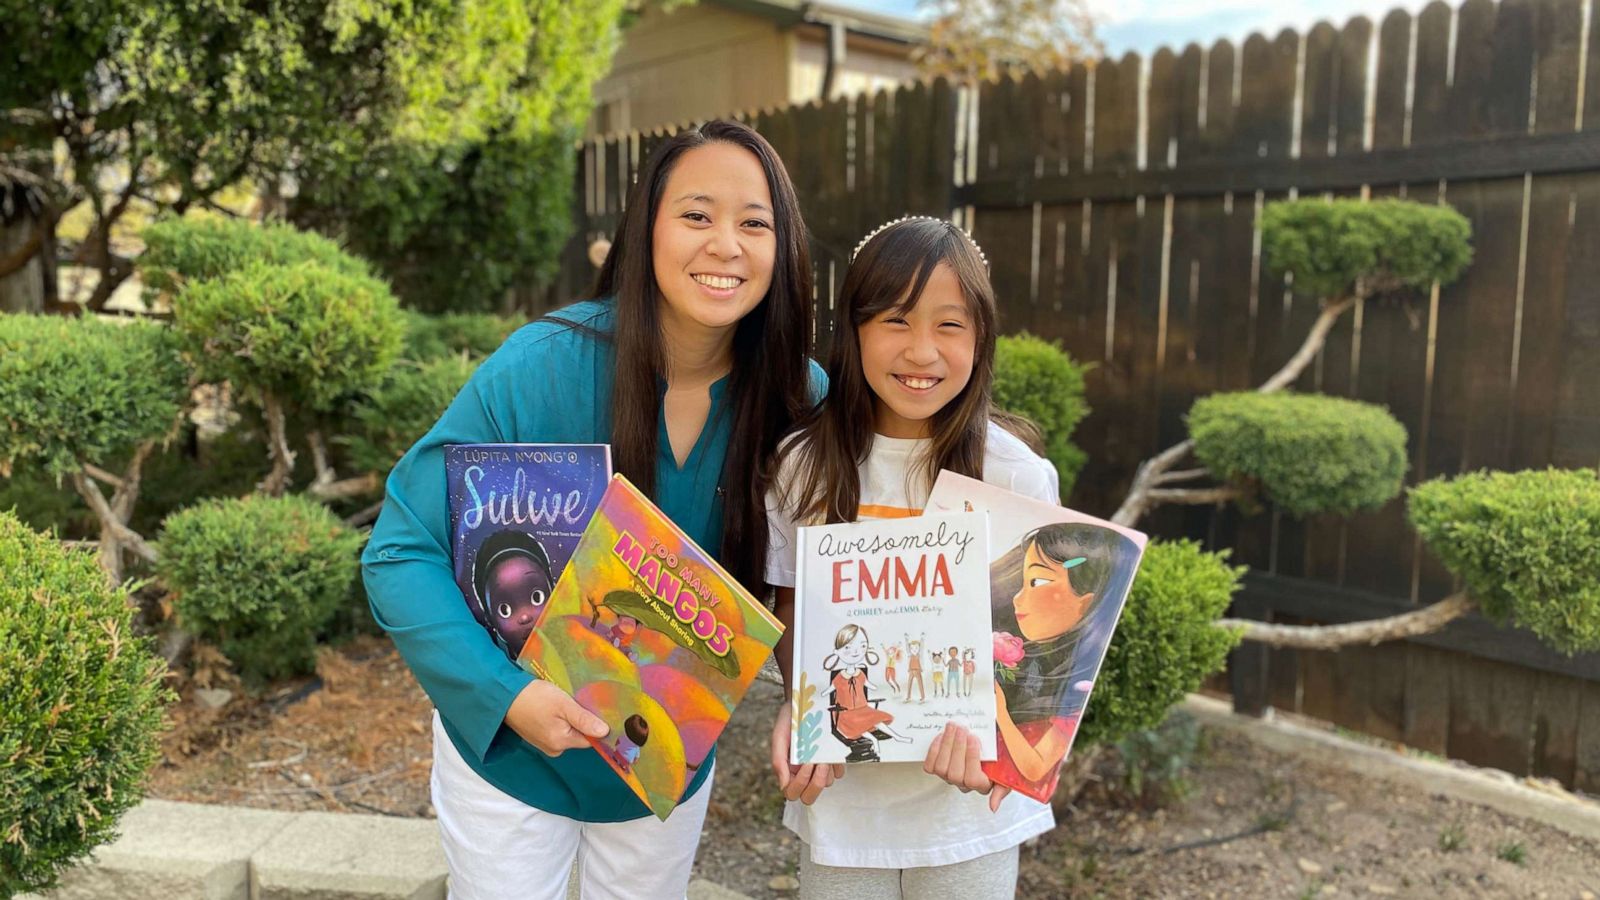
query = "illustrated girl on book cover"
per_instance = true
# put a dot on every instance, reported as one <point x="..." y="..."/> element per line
<point x="1047" y="591"/>
<point x="857" y="721"/>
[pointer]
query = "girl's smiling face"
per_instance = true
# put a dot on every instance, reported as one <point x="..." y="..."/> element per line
<point x="854" y="651"/>
<point x="918" y="360"/>
<point x="1047" y="606"/>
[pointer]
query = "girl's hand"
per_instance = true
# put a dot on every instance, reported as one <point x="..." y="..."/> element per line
<point x="803" y="783"/>
<point x="544" y="716"/>
<point x="953" y="757"/>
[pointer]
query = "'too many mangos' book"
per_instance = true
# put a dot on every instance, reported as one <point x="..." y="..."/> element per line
<point x="1058" y="581"/>
<point x="891" y="638"/>
<point x="649" y="633"/>
<point x="516" y="513"/>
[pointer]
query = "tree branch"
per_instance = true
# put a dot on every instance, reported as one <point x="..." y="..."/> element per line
<point x="345" y="488"/>
<point x="277" y="448"/>
<point x="1375" y="631"/>
<point x="1138" y="500"/>
<point x="127" y="492"/>
<point x="102" y="475"/>
<point x="1311" y="346"/>
<point x="1193" y="495"/>
<point x="14" y="262"/>
<point x="1182" y="475"/>
<point x="109" y="520"/>
<point x="365" y="516"/>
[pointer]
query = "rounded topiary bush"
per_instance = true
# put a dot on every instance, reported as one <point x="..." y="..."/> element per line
<point x="259" y="577"/>
<point x="306" y="334"/>
<point x="1166" y="642"/>
<point x="1527" y="545"/>
<point x="1036" y="378"/>
<point x="76" y="390"/>
<point x="1329" y="244"/>
<point x="388" y="421"/>
<point x="1308" y="453"/>
<point x="451" y="334"/>
<point x="82" y="711"/>
<point x="183" y="250"/>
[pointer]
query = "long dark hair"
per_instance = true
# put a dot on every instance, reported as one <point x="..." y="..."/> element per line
<point x="767" y="388"/>
<point x="1049" y="668"/>
<point x="890" y="272"/>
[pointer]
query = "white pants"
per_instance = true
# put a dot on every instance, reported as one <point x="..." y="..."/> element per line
<point x="499" y="847"/>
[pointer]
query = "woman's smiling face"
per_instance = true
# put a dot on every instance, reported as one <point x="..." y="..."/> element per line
<point x="1047" y="606"/>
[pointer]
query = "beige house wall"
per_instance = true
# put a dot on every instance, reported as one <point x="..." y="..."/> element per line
<point x="866" y="69"/>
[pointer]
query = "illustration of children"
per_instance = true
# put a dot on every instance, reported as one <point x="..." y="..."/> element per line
<point x="969" y="666"/>
<point x="635" y="731"/>
<point x="857" y="721"/>
<point x="892" y="655"/>
<point x="938" y="674"/>
<point x="623" y="633"/>
<point x="914" y="669"/>
<point x="952" y="665"/>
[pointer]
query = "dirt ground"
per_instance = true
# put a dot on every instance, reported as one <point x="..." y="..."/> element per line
<point x="1256" y="824"/>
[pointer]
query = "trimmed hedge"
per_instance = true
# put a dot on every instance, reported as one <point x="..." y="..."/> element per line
<point x="388" y="421"/>
<point x="1036" y="378"/>
<point x="84" y="390"/>
<point x="308" y="334"/>
<point x="180" y="251"/>
<point x="1527" y="545"/>
<point x="1328" y="244"/>
<point x="1166" y="642"/>
<point x="82" y="711"/>
<point x="1308" y="453"/>
<point x="259" y="577"/>
<point x="475" y="334"/>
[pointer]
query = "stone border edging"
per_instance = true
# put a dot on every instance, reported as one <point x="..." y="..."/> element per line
<point x="1485" y="787"/>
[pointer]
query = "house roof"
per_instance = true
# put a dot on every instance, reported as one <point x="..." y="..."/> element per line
<point x="799" y="12"/>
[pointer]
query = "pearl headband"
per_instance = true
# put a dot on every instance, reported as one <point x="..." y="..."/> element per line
<point x="890" y="224"/>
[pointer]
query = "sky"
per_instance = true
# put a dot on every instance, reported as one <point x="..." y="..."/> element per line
<point x="1145" y="25"/>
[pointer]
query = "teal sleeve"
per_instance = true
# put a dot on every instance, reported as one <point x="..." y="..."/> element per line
<point x="817" y="381"/>
<point x="410" y="583"/>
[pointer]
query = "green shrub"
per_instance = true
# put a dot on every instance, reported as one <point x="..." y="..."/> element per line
<point x="1036" y="378"/>
<point x="259" y="577"/>
<point x="1328" y="244"/>
<point x="83" y="390"/>
<point x="1166" y="642"/>
<point x="308" y="334"/>
<point x="83" y="707"/>
<point x="1308" y="453"/>
<point x="1154" y="763"/>
<point x="475" y="334"/>
<point x="179" y="251"/>
<point x="1527" y="545"/>
<point x="387" y="422"/>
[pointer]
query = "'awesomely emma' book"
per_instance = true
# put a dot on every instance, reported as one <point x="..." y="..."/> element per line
<point x="649" y="633"/>
<point x="891" y="638"/>
<point x="516" y="512"/>
<point x="1058" y="581"/>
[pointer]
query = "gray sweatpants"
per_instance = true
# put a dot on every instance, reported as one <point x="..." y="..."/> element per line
<point x="992" y="877"/>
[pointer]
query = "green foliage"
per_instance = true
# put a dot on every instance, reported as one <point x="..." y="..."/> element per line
<point x="83" y="707"/>
<point x="1526" y="544"/>
<point x="259" y="577"/>
<point x="305" y="333"/>
<point x="1328" y="244"/>
<point x="1308" y="453"/>
<point x="1037" y="379"/>
<point x="385" y="423"/>
<point x="82" y="390"/>
<point x="178" y="251"/>
<point x="475" y="334"/>
<point x="477" y="180"/>
<point x="1512" y="852"/>
<point x="1452" y="837"/>
<point x="1166" y="642"/>
<point x="1155" y="762"/>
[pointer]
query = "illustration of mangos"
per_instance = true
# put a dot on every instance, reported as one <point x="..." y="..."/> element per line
<point x="660" y="768"/>
<point x="699" y="713"/>
<point x="567" y="651"/>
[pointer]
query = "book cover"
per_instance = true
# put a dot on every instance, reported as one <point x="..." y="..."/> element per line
<point x="891" y="628"/>
<point x="649" y="633"/>
<point x="1058" y="582"/>
<point x="516" y="512"/>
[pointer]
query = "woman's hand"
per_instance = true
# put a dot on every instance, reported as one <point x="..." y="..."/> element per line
<point x="803" y="783"/>
<point x="953" y="757"/>
<point x="544" y="716"/>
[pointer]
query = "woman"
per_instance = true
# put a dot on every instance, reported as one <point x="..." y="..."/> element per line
<point x="690" y="361"/>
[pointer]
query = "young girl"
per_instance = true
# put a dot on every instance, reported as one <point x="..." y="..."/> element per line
<point x="892" y="659"/>
<point x="910" y="375"/>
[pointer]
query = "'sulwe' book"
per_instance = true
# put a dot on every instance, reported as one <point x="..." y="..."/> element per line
<point x="648" y="632"/>
<point x="891" y="638"/>
<point x="516" y="512"/>
<point x="1058" y="580"/>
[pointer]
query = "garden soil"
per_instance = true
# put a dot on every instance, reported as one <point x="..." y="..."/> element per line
<point x="1255" y="824"/>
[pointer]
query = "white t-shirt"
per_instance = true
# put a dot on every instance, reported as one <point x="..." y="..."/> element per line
<point x="895" y="815"/>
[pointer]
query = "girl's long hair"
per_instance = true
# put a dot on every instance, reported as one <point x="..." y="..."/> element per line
<point x="768" y="387"/>
<point x="1049" y="668"/>
<point x="833" y="441"/>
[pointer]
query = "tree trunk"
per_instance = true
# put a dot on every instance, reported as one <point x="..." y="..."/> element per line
<point x="22" y="246"/>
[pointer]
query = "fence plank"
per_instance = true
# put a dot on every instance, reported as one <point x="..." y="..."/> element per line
<point x="1426" y="719"/>
<point x="1558" y="28"/>
<point x="1586" y="774"/>
<point x="1355" y="45"/>
<point x="1557" y="703"/>
<point x="1491" y="714"/>
<point x="1433" y="71"/>
<point x="1320" y="93"/>
<point x="1394" y="74"/>
<point x="1575" y="434"/>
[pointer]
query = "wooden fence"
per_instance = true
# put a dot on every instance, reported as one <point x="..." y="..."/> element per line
<point x="1118" y="204"/>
